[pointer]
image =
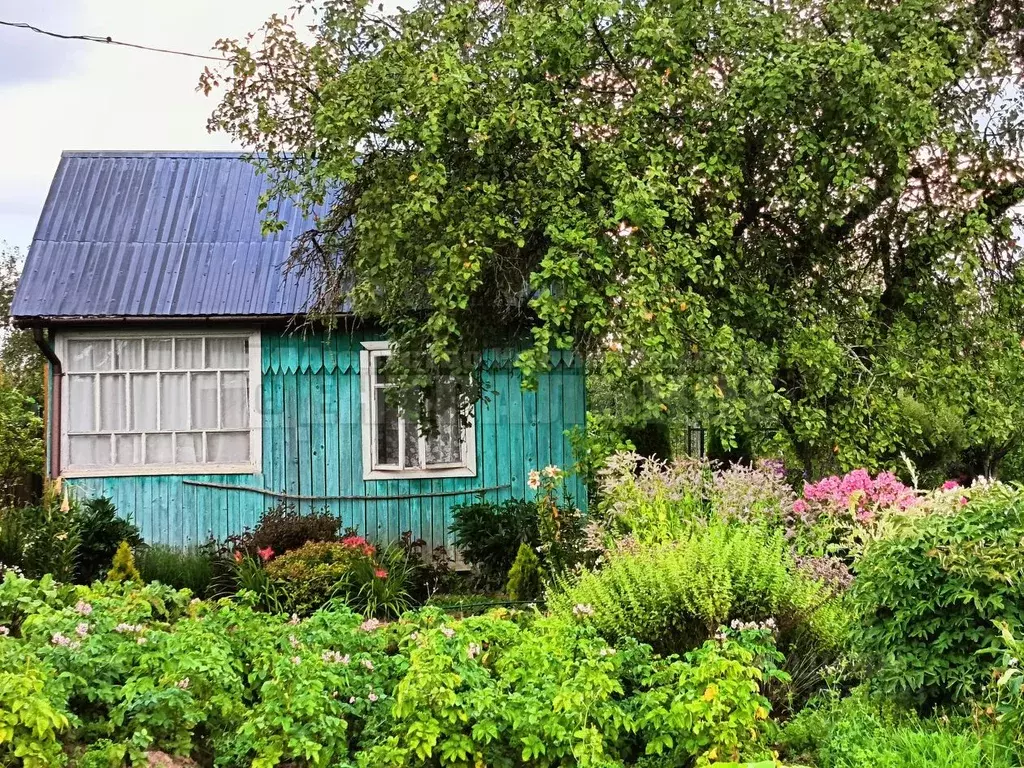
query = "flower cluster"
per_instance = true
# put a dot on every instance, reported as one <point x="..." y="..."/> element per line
<point x="371" y="624"/>
<point x="334" y="657"/>
<point x="858" y="494"/>
<point x="360" y="544"/>
<point x="582" y="610"/>
<point x="83" y="608"/>
<point x="128" y="629"/>
<point x="60" y="639"/>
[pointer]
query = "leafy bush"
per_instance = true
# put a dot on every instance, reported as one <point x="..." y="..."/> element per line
<point x="42" y="538"/>
<point x="525" y="579"/>
<point x="100" y="531"/>
<point x="145" y="668"/>
<point x="191" y="568"/>
<point x="930" y="594"/>
<point x="319" y="571"/>
<point x="123" y="566"/>
<point x="859" y="732"/>
<point x="282" y="529"/>
<point x="31" y="715"/>
<point x="675" y="595"/>
<point x="488" y="535"/>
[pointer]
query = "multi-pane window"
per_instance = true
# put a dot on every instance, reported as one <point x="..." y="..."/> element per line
<point x="169" y="402"/>
<point x="392" y="441"/>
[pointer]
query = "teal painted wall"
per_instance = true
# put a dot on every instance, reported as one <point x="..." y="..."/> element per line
<point x="312" y="448"/>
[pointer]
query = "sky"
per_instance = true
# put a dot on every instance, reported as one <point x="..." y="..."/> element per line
<point x="63" y="94"/>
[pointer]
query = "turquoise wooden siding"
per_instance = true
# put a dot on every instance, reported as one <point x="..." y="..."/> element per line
<point x="312" y="451"/>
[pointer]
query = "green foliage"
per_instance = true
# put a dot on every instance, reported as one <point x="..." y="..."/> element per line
<point x="21" y="434"/>
<point x="316" y="572"/>
<point x="929" y="597"/>
<point x="859" y="732"/>
<point x="781" y="246"/>
<point x="652" y="439"/>
<point x="191" y="568"/>
<point x="675" y="595"/>
<point x="42" y="538"/>
<point x="525" y="578"/>
<point x="123" y="566"/>
<point x="21" y="370"/>
<point x="283" y="528"/>
<point x="488" y="535"/>
<point x="138" y="668"/>
<point x="100" y="532"/>
<point x="31" y="716"/>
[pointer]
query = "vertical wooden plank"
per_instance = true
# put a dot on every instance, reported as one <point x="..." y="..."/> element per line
<point x="552" y="410"/>
<point x="291" y="432"/>
<point x="333" y="428"/>
<point x="318" y="436"/>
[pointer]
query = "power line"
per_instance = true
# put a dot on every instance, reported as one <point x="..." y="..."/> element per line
<point x="106" y="40"/>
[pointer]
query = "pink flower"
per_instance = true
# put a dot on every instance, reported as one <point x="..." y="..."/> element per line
<point x="266" y="553"/>
<point x="82" y="629"/>
<point x="950" y="485"/>
<point x="370" y="625"/>
<point x="381" y="573"/>
<point x="367" y="664"/>
<point x="800" y="506"/>
<point x="448" y="632"/>
<point x="238" y="556"/>
<point x="83" y="608"/>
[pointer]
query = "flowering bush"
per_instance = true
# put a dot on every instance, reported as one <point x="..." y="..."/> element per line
<point x="122" y="670"/>
<point x="841" y="514"/>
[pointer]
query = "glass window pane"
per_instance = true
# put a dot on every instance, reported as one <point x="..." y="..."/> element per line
<point x="445" y="447"/>
<point x="112" y="402"/>
<point x="234" y="400"/>
<point x="188" y="353"/>
<point x="204" y="400"/>
<point x="88" y="355"/>
<point x="227" y="353"/>
<point x="188" y="448"/>
<point x="143" y="387"/>
<point x="158" y="449"/>
<point x="158" y="354"/>
<point x="127" y="354"/>
<point x="227" y="447"/>
<point x="81" y="403"/>
<point x="412" y="444"/>
<point x="89" y="450"/>
<point x="127" y="450"/>
<point x="387" y="430"/>
<point x="173" y="401"/>
<point x="379" y="361"/>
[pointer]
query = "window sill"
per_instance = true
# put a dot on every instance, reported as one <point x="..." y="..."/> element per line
<point x="186" y="469"/>
<point x="419" y="474"/>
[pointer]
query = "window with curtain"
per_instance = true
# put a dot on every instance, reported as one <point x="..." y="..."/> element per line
<point x="392" y="442"/>
<point x="134" y="404"/>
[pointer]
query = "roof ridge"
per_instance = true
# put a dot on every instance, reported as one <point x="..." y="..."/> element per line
<point x="209" y="153"/>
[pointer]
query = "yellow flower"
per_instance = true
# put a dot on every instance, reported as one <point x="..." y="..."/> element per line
<point x="711" y="692"/>
<point x="65" y="505"/>
<point x="760" y="713"/>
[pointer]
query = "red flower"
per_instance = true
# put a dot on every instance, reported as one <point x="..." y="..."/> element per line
<point x="358" y="542"/>
<point x="238" y="556"/>
<point x="266" y="553"/>
<point x="381" y="573"/>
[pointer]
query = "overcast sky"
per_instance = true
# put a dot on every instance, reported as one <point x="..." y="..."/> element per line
<point x="57" y="94"/>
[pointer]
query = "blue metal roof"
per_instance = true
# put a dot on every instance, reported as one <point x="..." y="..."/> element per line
<point x="158" y="235"/>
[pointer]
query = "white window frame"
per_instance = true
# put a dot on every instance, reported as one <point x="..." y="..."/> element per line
<point x="255" y="369"/>
<point x="370" y="353"/>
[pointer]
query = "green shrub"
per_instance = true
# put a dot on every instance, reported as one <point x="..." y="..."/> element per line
<point x="525" y="579"/>
<point x="488" y="535"/>
<point x="930" y="594"/>
<point x="860" y="732"/>
<point x="317" y="572"/>
<point x="100" y="532"/>
<point x="675" y="595"/>
<point x="31" y="716"/>
<point x="282" y="529"/>
<point x="42" y="538"/>
<point x="191" y="568"/>
<point x="123" y="566"/>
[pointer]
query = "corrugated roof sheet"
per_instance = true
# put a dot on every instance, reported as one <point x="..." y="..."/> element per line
<point x="158" y="234"/>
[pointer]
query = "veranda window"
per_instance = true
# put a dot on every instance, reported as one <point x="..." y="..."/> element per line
<point x="159" y="404"/>
<point x="392" y="443"/>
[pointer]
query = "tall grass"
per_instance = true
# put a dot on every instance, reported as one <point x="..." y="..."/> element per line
<point x="190" y="568"/>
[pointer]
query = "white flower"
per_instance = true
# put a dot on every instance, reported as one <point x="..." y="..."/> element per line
<point x="351" y="699"/>
<point x="183" y="683"/>
<point x="534" y="481"/>
<point x="473" y="650"/>
<point x="83" y="608"/>
<point x="552" y="471"/>
<point x="294" y="642"/>
<point x="141" y="641"/>
<point x="294" y="619"/>
<point x="367" y="663"/>
<point x="581" y="609"/>
<point x="296" y="660"/>
<point x="370" y="625"/>
<point x="4" y="631"/>
<point x="448" y="632"/>
<point x="372" y="696"/>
